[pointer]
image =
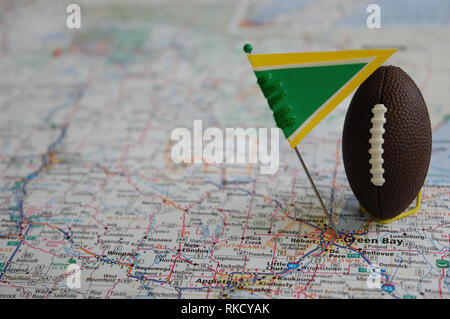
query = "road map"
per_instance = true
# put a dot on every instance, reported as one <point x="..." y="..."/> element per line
<point x="86" y="176"/>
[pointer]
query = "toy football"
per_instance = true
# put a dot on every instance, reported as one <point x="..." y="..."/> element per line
<point x="386" y="144"/>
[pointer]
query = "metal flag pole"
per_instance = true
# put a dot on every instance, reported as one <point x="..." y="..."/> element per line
<point x="248" y="49"/>
<point x="330" y="218"/>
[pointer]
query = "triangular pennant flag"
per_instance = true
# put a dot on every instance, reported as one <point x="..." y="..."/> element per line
<point x="303" y="88"/>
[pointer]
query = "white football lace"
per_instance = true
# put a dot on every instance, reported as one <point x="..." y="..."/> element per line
<point x="376" y="143"/>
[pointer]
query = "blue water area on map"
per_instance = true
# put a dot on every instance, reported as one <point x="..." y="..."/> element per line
<point x="404" y="12"/>
<point x="350" y="217"/>
<point x="62" y="220"/>
<point x="269" y="12"/>
<point x="439" y="171"/>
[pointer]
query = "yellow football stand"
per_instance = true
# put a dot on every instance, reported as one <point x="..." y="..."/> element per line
<point x="402" y="215"/>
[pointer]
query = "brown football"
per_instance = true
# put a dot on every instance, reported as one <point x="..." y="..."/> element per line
<point x="386" y="143"/>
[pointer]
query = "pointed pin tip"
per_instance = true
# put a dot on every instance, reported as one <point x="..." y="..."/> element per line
<point x="248" y="48"/>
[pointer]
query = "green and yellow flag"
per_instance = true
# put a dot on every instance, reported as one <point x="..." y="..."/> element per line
<point x="303" y="88"/>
